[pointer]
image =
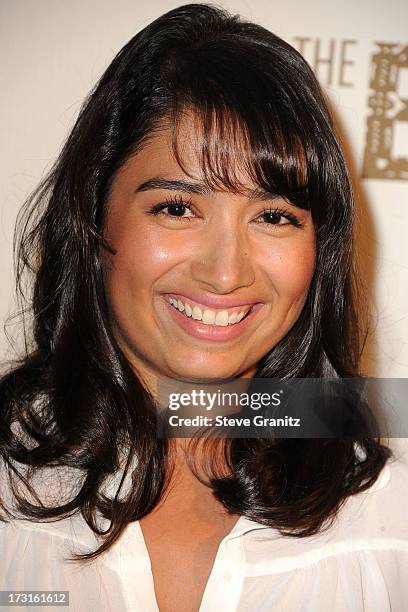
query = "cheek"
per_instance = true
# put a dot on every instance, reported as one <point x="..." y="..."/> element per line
<point x="291" y="268"/>
<point x="142" y="257"/>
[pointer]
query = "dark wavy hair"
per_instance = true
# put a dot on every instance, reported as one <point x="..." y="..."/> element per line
<point x="74" y="397"/>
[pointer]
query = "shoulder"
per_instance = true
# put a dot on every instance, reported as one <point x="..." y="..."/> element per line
<point x="372" y="520"/>
<point x="378" y="514"/>
<point x="53" y="486"/>
<point x="358" y="563"/>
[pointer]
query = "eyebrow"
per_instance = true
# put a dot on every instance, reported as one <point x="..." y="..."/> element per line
<point x="199" y="188"/>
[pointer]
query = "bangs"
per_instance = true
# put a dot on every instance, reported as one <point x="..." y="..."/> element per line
<point x="233" y="153"/>
<point x="247" y="128"/>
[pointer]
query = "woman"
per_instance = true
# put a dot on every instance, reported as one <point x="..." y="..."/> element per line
<point x="196" y="226"/>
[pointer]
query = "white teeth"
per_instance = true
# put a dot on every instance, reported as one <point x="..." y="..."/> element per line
<point x="222" y="318"/>
<point x="208" y="317"/>
<point x="197" y="314"/>
<point x="233" y="318"/>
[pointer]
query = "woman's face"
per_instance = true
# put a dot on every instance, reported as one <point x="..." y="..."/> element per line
<point x="217" y="258"/>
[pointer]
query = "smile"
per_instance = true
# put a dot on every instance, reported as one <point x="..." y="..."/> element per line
<point x="219" y="318"/>
<point x="210" y="324"/>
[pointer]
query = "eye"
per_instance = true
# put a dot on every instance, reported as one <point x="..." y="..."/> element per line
<point x="275" y="216"/>
<point x="176" y="207"/>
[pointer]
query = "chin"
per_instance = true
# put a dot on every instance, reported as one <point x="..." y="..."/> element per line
<point x="208" y="374"/>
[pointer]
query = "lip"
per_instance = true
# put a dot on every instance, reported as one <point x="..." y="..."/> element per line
<point x="197" y="329"/>
<point x="211" y="301"/>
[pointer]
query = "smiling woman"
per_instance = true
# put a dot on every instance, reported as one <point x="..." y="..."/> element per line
<point x="214" y="252"/>
<point x="197" y="226"/>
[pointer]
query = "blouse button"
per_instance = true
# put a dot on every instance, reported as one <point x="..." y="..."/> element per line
<point x="227" y="576"/>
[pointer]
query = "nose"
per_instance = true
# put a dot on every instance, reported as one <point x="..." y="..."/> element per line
<point x="223" y="262"/>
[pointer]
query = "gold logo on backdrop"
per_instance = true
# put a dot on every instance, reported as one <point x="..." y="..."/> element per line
<point x="386" y="151"/>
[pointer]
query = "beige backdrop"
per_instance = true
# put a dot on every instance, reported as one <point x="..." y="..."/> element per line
<point x="53" y="51"/>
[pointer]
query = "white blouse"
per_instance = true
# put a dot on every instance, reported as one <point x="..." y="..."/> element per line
<point x="359" y="564"/>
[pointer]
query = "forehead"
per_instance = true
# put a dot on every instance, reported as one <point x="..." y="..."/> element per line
<point x="187" y="149"/>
